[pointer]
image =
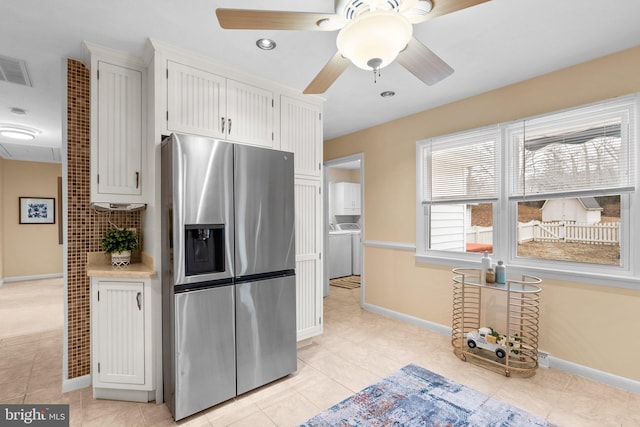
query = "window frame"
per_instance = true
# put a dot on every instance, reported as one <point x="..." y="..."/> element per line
<point x="505" y="212"/>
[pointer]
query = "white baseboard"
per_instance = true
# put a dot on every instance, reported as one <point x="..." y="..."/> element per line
<point x="554" y="362"/>
<point x="76" y="383"/>
<point x="436" y="327"/>
<point x="594" y="374"/>
<point x="24" y="278"/>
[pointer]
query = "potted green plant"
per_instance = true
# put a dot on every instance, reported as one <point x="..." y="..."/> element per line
<point x="119" y="242"/>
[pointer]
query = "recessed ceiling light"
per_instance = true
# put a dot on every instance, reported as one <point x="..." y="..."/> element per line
<point x="18" y="111"/>
<point x="387" y="94"/>
<point x="266" y="44"/>
<point x="15" y="132"/>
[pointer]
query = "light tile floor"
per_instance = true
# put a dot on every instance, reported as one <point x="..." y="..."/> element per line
<point x="356" y="349"/>
<point x="31" y="306"/>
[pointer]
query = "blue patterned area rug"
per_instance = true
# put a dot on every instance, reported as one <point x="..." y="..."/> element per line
<point x="414" y="396"/>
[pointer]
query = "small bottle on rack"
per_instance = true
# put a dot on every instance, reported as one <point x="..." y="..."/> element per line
<point x="486" y="261"/>
<point x="490" y="275"/>
<point x="501" y="273"/>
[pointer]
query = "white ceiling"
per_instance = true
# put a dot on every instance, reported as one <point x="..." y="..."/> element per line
<point x="490" y="45"/>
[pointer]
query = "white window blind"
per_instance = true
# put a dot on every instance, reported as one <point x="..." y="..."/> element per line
<point x="461" y="167"/>
<point x="581" y="151"/>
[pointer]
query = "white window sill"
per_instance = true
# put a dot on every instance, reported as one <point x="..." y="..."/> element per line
<point x="612" y="280"/>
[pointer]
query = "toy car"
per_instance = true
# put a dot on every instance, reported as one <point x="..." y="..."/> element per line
<point x="488" y="339"/>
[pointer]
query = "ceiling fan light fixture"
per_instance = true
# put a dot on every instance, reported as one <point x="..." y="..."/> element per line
<point x="381" y="34"/>
<point x="266" y="44"/>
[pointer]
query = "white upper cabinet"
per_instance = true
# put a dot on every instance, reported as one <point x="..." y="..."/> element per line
<point x="249" y="114"/>
<point x="346" y="198"/>
<point x="118" y="127"/>
<point x="203" y="103"/>
<point x="196" y="101"/>
<point x="301" y="133"/>
<point x="119" y="130"/>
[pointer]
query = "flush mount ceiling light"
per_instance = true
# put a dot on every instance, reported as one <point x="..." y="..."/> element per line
<point x="373" y="40"/>
<point x="266" y="44"/>
<point x="17" y="132"/>
<point x="387" y="94"/>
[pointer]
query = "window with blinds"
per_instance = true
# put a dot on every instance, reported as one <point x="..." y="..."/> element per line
<point x="461" y="167"/>
<point x="551" y="191"/>
<point x="579" y="152"/>
<point x="459" y="184"/>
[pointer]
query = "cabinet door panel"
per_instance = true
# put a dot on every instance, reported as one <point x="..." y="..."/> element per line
<point x="346" y="198"/>
<point x="301" y="133"/>
<point x="249" y="114"/>
<point x="121" y="332"/>
<point x="119" y="129"/>
<point x="308" y="266"/>
<point x="196" y="101"/>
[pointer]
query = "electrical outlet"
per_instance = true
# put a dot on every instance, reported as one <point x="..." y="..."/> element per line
<point x="543" y="359"/>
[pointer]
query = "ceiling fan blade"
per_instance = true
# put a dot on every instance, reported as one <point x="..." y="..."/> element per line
<point x="243" y="19"/>
<point x="423" y="63"/>
<point x="329" y="73"/>
<point x="443" y="7"/>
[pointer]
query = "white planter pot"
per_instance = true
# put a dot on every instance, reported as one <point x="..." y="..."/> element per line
<point x="120" y="259"/>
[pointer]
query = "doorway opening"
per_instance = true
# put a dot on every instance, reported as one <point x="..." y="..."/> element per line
<point x="344" y="225"/>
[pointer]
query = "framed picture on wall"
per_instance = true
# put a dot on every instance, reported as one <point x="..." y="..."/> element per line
<point x="37" y="210"/>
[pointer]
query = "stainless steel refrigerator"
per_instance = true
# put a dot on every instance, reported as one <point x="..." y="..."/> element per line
<point x="229" y="297"/>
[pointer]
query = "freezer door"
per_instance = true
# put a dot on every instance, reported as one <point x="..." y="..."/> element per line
<point x="264" y="210"/>
<point x="205" y="349"/>
<point x="202" y="199"/>
<point x="265" y="331"/>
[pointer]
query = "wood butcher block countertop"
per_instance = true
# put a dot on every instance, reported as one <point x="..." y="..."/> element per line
<point x="99" y="265"/>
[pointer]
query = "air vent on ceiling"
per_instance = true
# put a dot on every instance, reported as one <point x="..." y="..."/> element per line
<point x="14" y="71"/>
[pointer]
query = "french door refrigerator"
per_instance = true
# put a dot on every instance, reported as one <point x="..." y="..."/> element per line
<point x="228" y="259"/>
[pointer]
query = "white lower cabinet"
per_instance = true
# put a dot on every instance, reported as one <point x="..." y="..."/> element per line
<point x="120" y="339"/>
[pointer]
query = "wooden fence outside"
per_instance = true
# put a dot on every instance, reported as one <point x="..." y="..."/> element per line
<point x="606" y="233"/>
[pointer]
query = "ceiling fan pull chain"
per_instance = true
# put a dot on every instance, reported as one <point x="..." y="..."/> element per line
<point x="375" y="63"/>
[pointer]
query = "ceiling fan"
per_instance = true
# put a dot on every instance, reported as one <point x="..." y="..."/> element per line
<point x="373" y="33"/>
